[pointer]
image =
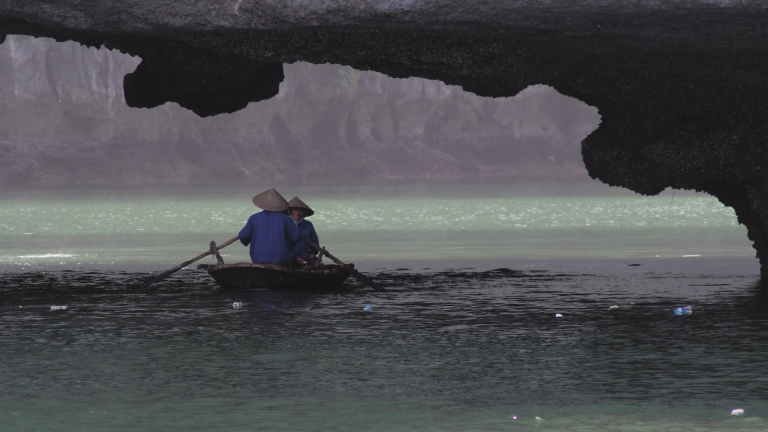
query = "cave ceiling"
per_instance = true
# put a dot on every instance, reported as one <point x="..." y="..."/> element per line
<point x="681" y="85"/>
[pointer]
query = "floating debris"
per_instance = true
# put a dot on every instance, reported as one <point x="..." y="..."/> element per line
<point x="558" y="315"/>
<point x="368" y="308"/>
<point x="687" y="310"/>
<point x="737" y="412"/>
<point x="237" y="305"/>
<point x="614" y="307"/>
<point x="55" y="308"/>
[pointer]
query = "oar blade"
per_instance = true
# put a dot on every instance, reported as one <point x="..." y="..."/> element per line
<point x="184" y="264"/>
<point x="362" y="278"/>
<point x="366" y="280"/>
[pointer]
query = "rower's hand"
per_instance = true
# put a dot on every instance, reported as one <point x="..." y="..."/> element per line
<point x="311" y="256"/>
<point x="301" y="261"/>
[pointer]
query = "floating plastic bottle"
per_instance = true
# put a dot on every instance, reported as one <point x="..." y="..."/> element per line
<point x="684" y="310"/>
<point x="53" y="308"/>
<point x="737" y="412"/>
<point x="367" y="308"/>
<point x="558" y="315"/>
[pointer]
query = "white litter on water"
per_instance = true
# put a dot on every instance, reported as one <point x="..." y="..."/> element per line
<point x="614" y="307"/>
<point x="558" y="315"/>
<point x="367" y="308"/>
<point x="237" y="305"/>
<point x="53" y="308"/>
<point x="737" y="412"/>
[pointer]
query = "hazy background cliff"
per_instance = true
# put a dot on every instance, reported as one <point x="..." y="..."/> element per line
<point x="63" y="121"/>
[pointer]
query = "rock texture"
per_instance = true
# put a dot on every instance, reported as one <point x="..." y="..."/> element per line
<point x="680" y="84"/>
<point x="63" y="121"/>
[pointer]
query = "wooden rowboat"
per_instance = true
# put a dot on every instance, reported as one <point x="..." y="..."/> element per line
<point x="254" y="276"/>
<point x="271" y="276"/>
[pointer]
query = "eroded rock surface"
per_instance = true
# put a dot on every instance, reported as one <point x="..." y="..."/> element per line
<point x="680" y="85"/>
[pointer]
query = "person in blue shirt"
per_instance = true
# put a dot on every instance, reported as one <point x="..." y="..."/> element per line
<point x="302" y="253"/>
<point x="271" y="234"/>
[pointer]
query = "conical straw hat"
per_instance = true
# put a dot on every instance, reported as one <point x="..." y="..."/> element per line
<point x="295" y="202"/>
<point x="271" y="201"/>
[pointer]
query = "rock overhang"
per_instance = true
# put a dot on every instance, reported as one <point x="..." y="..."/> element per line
<point x="680" y="85"/>
<point x="507" y="45"/>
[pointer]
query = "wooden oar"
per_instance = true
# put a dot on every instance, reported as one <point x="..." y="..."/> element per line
<point x="362" y="278"/>
<point x="167" y="273"/>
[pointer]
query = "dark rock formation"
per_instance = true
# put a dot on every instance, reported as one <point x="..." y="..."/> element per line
<point x="223" y="84"/>
<point x="680" y="84"/>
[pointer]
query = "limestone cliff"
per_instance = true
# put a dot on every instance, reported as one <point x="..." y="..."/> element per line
<point x="63" y="120"/>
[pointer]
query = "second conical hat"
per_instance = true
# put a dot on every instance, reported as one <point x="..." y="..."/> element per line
<point x="295" y="202"/>
<point x="271" y="200"/>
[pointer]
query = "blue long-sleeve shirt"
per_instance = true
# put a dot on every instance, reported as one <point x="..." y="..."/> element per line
<point x="271" y="236"/>
<point x="302" y="248"/>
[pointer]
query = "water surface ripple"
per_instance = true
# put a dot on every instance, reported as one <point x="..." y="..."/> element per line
<point x="451" y="350"/>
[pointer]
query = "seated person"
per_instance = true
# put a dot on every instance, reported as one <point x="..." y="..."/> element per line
<point x="302" y="253"/>
<point x="271" y="234"/>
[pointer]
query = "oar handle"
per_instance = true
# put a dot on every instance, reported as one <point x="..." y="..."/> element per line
<point x="328" y="254"/>
<point x="169" y="272"/>
<point x="344" y="267"/>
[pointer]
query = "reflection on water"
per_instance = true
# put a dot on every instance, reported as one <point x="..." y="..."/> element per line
<point x="371" y="226"/>
<point x="448" y="350"/>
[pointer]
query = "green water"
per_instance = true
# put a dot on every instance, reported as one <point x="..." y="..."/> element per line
<point x="448" y="345"/>
<point x="376" y="227"/>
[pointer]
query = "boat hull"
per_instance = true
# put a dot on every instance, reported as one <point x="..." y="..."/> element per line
<point x="254" y="276"/>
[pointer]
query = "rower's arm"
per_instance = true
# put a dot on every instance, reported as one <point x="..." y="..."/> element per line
<point x="246" y="232"/>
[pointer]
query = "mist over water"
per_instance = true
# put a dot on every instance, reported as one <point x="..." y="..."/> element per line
<point x="464" y="338"/>
<point x="64" y="121"/>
